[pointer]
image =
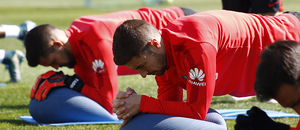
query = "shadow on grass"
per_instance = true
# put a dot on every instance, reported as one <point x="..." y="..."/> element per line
<point x="16" y="122"/>
<point x="7" y="82"/>
<point x="223" y="101"/>
<point x="14" y="107"/>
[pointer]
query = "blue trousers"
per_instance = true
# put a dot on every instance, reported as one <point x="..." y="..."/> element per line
<point x="213" y="121"/>
<point x="66" y="105"/>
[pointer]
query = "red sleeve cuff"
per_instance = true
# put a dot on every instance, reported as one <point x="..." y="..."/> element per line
<point x="143" y="103"/>
<point x="148" y="104"/>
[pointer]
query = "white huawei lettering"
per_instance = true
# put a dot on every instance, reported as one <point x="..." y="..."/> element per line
<point x="198" y="83"/>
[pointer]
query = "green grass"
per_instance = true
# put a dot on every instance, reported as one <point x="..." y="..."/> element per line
<point x="14" y="98"/>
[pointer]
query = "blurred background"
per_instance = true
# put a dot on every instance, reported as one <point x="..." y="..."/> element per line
<point x="14" y="97"/>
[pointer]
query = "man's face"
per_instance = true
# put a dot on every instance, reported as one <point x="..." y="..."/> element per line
<point x="59" y="58"/>
<point x="149" y="64"/>
<point x="289" y="96"/>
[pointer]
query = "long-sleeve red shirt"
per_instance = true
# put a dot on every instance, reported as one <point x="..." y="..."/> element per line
<point x="214" y="53"/>
<point x="91" y="41"/>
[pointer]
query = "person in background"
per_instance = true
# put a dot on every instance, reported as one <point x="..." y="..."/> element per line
<point x="263" y="7"/>
<point x="87" y="48"/>
<point x="277" y="77"/>
<point x="210" y="53"/>
<point x="16" y="31"/>
<point x="12" y="58"/>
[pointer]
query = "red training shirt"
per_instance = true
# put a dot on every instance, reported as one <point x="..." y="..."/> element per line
<point x="91" y="40"/>
<point x="214" y="53"/>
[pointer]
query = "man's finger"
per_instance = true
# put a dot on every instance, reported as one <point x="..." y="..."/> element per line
<point x="130" y="91"/>
<point x="114" y="110"/>
<point x="124" y="122"/>
<point x="126" y="116"/>
<point x="122" y="95"/>
<point x="121" y="111"/>
<point x="120" y="116"/>
<point x="117" y="103"/>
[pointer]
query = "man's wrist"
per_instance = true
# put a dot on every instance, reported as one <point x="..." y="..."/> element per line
<point x="143" y="103"/>
<point x="74" y="82"/>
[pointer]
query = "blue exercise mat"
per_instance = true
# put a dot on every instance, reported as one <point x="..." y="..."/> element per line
<point x="31" y="120"/>
<point x="228" y="114"/>
<point x="2" y="84"/>
<point x="231" y="114"/>
<point x="67" y="107"/>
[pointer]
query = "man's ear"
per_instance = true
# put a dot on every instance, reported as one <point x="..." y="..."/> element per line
<point x="58" y="43"/>
<point x="155" y="43"/>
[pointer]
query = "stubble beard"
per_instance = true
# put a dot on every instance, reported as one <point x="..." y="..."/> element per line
<point x="72" y="61"/>
<point x="162" y="60"/>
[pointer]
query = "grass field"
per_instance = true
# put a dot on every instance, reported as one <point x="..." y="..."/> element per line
<point x="14" y="98"/>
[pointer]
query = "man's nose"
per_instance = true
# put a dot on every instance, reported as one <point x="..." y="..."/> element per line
<point x="143" y="73"/>
<point x="55" y="66"/>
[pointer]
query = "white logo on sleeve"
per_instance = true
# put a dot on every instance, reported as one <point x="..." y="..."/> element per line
<point x="197" y="74"/>
<point x="98" y="66"/>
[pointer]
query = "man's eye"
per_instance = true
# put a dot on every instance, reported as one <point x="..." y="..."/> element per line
<point x="139" y="67"/>
<point x="295" y="104"/>
<point x="142" y="66"/>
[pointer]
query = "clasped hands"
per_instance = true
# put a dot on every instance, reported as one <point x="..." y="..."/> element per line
<point x="126" y="105"/>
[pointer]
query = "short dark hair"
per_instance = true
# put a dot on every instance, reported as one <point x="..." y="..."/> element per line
<point x="130" y="40"/>
<point x="280" y="64"/>
<point x="36" y="43"/>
